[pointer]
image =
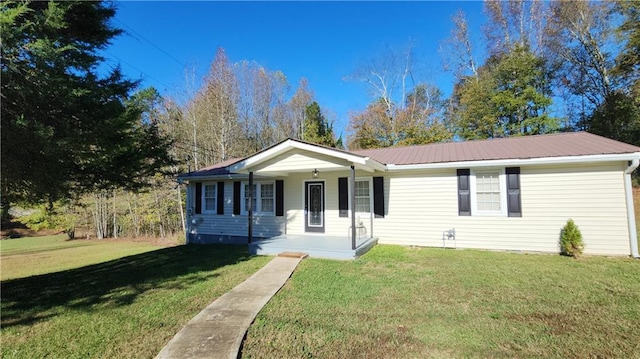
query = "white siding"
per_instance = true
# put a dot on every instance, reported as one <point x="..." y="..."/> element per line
<point x="294" y="203"/>
<point x="228" y="224"/>
<point x="421" y="205"/>
<point x="297" y="161"/>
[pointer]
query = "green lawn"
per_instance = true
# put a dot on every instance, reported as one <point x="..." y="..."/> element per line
<point x="23" y="257"/>
<point x="124" y="308"/>
<point x="395" y="302"/>
<point x="398" y="302"/>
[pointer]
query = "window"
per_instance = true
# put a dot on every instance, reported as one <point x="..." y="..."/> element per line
<point x="488" y="196"/>
<point x="363" y="196"/>
<point x="488" y="192"/>
<point x="366" y="195"/>
<point x="209" y="198"/>
<point x="264" y="198"/>
<point x="267" y="198"/>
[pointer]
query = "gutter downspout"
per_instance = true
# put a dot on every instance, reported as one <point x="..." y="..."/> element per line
<point x="633" y="236"/>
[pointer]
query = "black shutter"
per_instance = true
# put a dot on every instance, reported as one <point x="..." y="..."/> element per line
<point x="236" y="197"/>
<point x="378" y="197"/>
<point x="464" y="192"/>
<point x="198" y="197"/>
<point x="279" y="198"/>
<point x="220" y="198"/>
<point x="514" y="205"/>
<point x="343" y="197"/>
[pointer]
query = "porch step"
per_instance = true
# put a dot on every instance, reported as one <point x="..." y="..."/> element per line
<point x="293" y="255"/>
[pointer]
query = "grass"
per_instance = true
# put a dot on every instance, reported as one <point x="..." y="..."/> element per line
<point x="393" y="302"/>
<point x="124" y="308"/>
<point x="398" y="302"/>
<point x="23" y="257"/>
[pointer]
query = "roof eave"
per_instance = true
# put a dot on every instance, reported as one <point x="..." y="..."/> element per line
<point x="245" y="165"/>
<point x="519" y="161"/>
<point x="227" y="176"/>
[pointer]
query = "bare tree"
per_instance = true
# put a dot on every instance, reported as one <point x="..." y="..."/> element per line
<point x="386" y="76"/>
<point x="262" y="103"/>
<point x="220" y="96"/>
<point x="579" y="37"/>
<point x="514" y="23"/>
<point x="457" y="49"/>
<point x="297" y="105"/>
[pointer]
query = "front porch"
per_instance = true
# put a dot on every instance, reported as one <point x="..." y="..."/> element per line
<point x="319" y="246"/>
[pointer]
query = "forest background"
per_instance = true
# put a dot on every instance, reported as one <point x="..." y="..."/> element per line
<point x="101" y="154"/>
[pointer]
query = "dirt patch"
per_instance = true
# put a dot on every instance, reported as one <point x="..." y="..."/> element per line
<point x="556" y="323"/>
<point x="156" y="241"/>
<point x="15" y="229"/>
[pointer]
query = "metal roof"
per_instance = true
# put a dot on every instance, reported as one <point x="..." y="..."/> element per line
<point x="219" y="169"/>
<point x="525" y="147"/>
<point x="569" y="144"/>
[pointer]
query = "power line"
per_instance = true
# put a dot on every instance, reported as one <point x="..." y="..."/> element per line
<point x="151" y="43"/>
<point x="136" y="68"/>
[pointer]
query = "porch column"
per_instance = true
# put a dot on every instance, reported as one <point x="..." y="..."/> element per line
<point x="250" y="207"/>
<point x="353" y="207"/>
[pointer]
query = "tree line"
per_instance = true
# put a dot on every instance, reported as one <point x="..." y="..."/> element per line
<point x="93" y="150"/>
<point x="96" y="151"/>
<point x="549" y="66"/>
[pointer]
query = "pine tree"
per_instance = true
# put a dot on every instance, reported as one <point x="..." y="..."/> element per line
<point x="316" y="127"/>
<point x="65" y="128"/>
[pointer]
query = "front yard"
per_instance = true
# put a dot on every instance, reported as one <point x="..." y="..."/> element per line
<point x="400" y="302"/>
<point x="124" y="308"/>
<point x="393" y="302"/>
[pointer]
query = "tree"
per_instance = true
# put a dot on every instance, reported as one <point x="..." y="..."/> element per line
<point x="371" y="128"/>
<point x="458" y="49"/>
<point x="386" y="77"/>
<point x="509" y="97"/>
<point x="65" y="129"/>
<point x="514" y="23"/>
<point x="297" y="109"/>
<point x="421" y="120"/>
<point x="317" y="128"/>
<point x="402" y="112"/>
<point x="594" y="51"/>
<point x="579" y="38"/>
<point x="261" y="105"/>
<point x="618" y="116"/>
<point x="627" y="63"/>
<point x="418" y="121"/>
<point x="215" y="108"/>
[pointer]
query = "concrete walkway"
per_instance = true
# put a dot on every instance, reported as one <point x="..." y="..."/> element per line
<point x="218" y="330"/>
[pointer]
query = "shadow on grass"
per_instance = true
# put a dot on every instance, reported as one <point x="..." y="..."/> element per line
<point x="113" y="283"/>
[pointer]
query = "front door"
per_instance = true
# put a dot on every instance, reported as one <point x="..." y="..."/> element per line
<point x="314" y="207"/>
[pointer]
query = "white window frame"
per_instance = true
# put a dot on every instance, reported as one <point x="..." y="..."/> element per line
<point x="502" y="182"/>
<point x="204" y="209"/>
<point x="363" y="214"/>
<point x="258" y="198"/>
<point x="273" y="196"/>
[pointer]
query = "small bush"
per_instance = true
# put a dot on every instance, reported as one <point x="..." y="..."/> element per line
<point x="571" y="240"/>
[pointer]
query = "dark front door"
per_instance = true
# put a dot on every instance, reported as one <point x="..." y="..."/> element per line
<point x="314" y="207"/>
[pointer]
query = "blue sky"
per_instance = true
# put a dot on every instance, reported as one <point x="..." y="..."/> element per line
<point x="320" y="41"/>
